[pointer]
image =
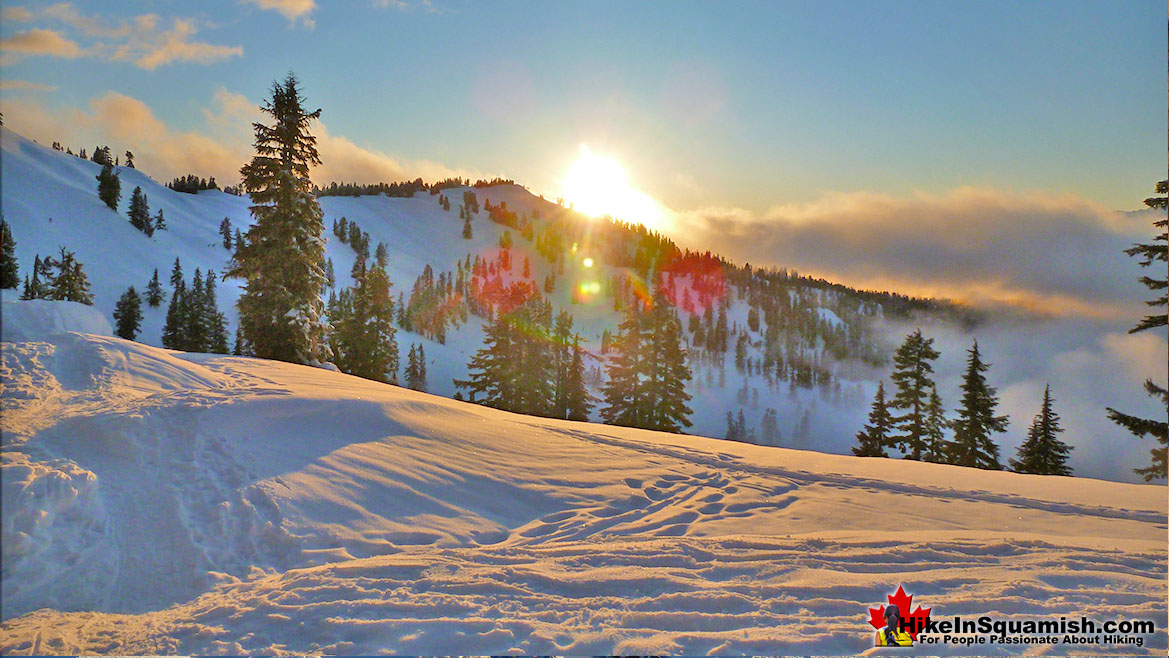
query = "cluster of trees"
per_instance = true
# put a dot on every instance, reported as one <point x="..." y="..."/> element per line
<point x="363" y="338"/>
<point x="351" y="234"/>
<point x="191" y="184"/>
<point x="648" y="372"/>
<point x="416" y="368"/>
<point x="60" y="278"/>
<point x="229" y="240"/>
<point x="493" y="182"/>
<point x="529" y="364"/>
<point x="432" y="305"/>
<point x="914" y="420"/>
<point x="404" y="189"/>
<point x="193" y="320"/>
<point x="139" y="214"/>
<point x="109" y="186"/>
<point x="101" y="155"/>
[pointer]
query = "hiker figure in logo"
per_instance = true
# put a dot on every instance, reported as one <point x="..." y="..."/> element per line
<point x="892" y="635"/>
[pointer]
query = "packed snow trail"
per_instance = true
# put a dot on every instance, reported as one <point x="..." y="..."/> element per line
<point x="162" y="502"/>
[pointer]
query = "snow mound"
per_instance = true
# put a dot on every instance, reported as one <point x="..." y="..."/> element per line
<point x="35" y="319"/>
<point x="160" y="502"/>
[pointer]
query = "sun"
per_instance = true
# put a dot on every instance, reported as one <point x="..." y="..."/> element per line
<point x="597" y="185"/>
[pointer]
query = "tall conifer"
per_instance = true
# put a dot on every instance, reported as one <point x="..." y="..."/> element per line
<point x="972" y="445"/>
<point x="873" y="438"/>
<point x="280" y="259"/>
<point x="1043" y="453"/>
<point x="911" y="374"/>
<point x="9" y="272"/>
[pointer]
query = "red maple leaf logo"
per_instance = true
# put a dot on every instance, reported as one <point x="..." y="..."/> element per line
<point x="915" y="620"/>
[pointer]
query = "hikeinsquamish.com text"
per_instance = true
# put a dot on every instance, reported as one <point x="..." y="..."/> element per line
<point x="988" y="630"/>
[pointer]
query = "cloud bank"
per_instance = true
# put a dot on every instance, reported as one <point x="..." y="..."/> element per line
<point x="1055" y="254"/>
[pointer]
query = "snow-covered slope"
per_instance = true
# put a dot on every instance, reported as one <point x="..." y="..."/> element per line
<point x="50" y="200"/>
<point x="163" y="502"/>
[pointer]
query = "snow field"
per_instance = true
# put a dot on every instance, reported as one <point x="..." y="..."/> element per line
<point x="210" y="504"/>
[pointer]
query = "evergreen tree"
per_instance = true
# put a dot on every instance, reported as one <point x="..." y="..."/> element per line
<point x="411" y="373"/>
<point x="578" y="400"/>
<point x="225" y="232"/>
<point x="9" y="272"/>
<point x="737" y="428"/>
<point x="35" y="289"/>
<point x="561" y="363"/>
<point x="769" y="428"/>
<point x="159" y="221"/>
<point x="330" y="274"/>
<point x="937" y="448"/>
<point x="176" y="274"/>
<point x="873" y="438"/>
<point x="624" y="392"/>
<point x="416" y="373"/>
<point x="26" y="293"/>
<point x="911" y="374"/>
<point x="128" y="314"/>
<point x="1157" y="250"/>
<point x="129" y="160"/>
<point x="972" y="445"/>
<point x="240" y="348"/>
<point x="139" y="212"/>
<point x="214" y="322"/>
<point x="468" y="232"/>
<point x="1043" y="453"/>
<point x="174" y="329"/>
<point x="196" y="332"/>
<point x="280" y="260"/>
<point x="109" y="187"/>
<point x="154" y="291"/>
<point x="69" y="282"/>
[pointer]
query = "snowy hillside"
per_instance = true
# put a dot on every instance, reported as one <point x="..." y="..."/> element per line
<point x="164" y="502"/>
<point x="50" y="201"/>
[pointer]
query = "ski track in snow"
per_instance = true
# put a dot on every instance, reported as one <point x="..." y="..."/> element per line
<point x="161" y="502"/>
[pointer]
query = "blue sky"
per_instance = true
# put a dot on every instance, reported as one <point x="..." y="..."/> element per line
<point x="975" y="151"/>
<point x="745" y="104"/>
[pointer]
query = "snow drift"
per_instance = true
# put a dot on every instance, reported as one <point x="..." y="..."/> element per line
<point x="25" y="320"/>
<point x="163" y="502"/>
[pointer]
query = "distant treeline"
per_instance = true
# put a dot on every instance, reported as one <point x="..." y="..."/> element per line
<point x="404" y="188"/>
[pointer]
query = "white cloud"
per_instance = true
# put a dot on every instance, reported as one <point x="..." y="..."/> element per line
<point x="293" y="10"/>
<point x="153" y="48"/>
<point x="25" y="85"/>
<point x="144" y="40"/>
<point x="39" y="42"/>
<point x="16" y="15"/>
